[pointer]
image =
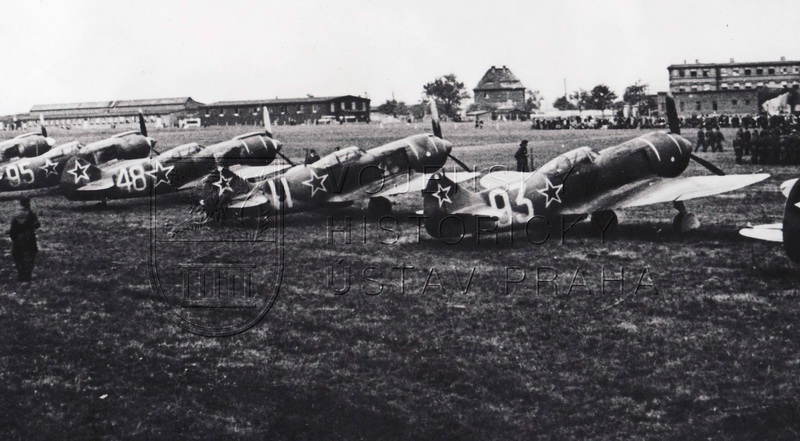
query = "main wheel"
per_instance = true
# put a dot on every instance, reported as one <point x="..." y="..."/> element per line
<point x="606" y="221"/>
<point x="379" y="207"/>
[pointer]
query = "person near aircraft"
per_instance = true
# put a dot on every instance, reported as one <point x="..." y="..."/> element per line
<point x="23" y="239"/>
<point x="522" y="156"/>
<point x="312" y="157"/>
<point x="710" y="139"/>
<point x="718" y="139"/>
<point x="701" y="140"/>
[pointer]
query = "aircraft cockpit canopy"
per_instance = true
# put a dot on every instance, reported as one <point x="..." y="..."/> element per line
<point x="563" y="163"/>
<point x="344" y="156"/>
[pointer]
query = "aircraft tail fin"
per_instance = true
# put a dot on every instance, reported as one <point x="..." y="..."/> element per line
<point x="791" y="224"/>
<point x="446" y="207"/>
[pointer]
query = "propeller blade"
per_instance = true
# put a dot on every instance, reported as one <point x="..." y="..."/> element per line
<point x="267" y="123"/>
<point x="713" y="168"/>
<point x="672" y="117"/>
<point x="44" y="131"/>
<point x="458" y="161"/>
<point x="142" y="126"/>
<point x="437" y="127"/>
<point x="289" y="161"/>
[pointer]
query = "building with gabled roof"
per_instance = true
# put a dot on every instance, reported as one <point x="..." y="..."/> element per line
<point x="502" y="91"/>
<point x="167" y="111"/>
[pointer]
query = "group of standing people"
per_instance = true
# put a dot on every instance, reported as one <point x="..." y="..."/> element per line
<point x="710" y="138"/>
<point x="777" y="145"/>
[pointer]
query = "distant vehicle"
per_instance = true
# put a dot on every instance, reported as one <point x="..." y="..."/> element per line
<point x="327" y="119"/>
<point x="191" y="122"/>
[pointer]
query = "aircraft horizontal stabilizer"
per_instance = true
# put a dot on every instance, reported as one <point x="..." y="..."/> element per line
<point x="769" y="232"/>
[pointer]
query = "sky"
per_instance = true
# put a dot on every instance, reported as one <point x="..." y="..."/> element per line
<point x="63" y="51"/>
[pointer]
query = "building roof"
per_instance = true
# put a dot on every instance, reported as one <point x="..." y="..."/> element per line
<point x="110" y="106"/>
<point x="732" y="64"/>
<point x="498" y="78"/>
<point x="278" y="101"/>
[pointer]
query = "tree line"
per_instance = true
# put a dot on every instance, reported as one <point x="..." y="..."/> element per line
<point x="448" y="93"/>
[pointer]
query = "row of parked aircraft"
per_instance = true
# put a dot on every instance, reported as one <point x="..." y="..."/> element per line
<point x="237" y="177"/>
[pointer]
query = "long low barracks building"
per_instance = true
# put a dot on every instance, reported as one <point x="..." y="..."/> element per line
<point x="310" y="110"/>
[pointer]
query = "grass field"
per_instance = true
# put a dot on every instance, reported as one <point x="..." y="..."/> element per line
<point x="708" y="347"/>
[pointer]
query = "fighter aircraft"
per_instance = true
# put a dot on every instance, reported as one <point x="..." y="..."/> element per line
<point x="342" y="177"/>
<point x="175" y="169"/>
<point x="788" y="231"/>
<point x="638" y="172"/>
<point x="27" y="145"/>
<point x="47" y="169"/>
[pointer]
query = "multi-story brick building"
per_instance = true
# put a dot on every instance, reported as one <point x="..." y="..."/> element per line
<point x="502" y="91"/>
<point x="705" y="88"/>
<point x="346" y="108"/>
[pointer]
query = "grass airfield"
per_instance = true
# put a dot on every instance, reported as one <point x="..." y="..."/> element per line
<point x="700" y="342"/>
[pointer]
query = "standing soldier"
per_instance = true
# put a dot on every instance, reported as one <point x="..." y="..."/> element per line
<point x="709" y="139"/>
<point x="701" y="140"/>
<point x="746" y="138"/>
<point x="718" y="139"/>
<point x="522" y="156"/>
<point x="737" y="145"/>
<point x="23" y="239"/>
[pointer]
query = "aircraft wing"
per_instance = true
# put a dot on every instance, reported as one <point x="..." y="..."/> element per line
<point x="102" y="184"/>
<point x="660" y="190"/>
<point x="768" y="232"/>
<point x="786" y="187"/>
<point x="252" y="174"/>
<point x="401" y="186"/>
<point x="504" y="178"/>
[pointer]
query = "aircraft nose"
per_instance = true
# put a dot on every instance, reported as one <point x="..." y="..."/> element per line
<point x="152" y="142"/>
<point x="448" y="146"/>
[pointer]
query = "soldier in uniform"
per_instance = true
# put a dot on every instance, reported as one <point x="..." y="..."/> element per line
<point x="737" y="145"/>
<point x="718" y="139"/>
<point x="709" y="139"/>
<point x="701" y="140"/>
<point x="23" y="239"/>
<point x="312" y="157"/>
<point x="522" y="156"/>
<point x="746" y="138"/>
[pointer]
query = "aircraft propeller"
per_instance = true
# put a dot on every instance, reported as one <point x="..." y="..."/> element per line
<point x="437" y="132"/>
<point x="675" y="127"/>
<point x="268" y="130"/>
<point x="142" y="125"/>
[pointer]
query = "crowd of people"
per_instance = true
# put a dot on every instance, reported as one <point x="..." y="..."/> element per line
<point x="770" y="145"/>
<point x="580" y="123"/>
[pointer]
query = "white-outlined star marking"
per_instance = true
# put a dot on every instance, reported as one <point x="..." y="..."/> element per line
<point x="160" y="173"/>
<point x="443" y="194"/>
<point x="49" y="167"/>
<point x="80" y="172"/>
<point x="316" y="182"/>
<point x="551" y="192"/>
<point x="224" y="184"/>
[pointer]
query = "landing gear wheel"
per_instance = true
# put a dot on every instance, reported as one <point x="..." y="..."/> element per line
<point x="379" y="207"/>
<point x="684" y="222"/>
<point x="605" y="221"/>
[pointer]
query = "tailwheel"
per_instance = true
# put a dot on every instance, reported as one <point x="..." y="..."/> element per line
<point x="379" y="207"/>
<point x="605" y="221"/>
<point x="684" y="221"/>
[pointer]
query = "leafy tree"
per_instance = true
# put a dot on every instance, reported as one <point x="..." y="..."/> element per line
<point x="602" y="97"/>
<point x="582" y="98"/>
<point x="533" y="100"/>
<point x="394" y="108"/>
<point x="562" y="103"/>
<point x="418" y="111"/>
<point x="481" y="106"/>
<point x="448" y="92"/>
<point x="635" y="93"/>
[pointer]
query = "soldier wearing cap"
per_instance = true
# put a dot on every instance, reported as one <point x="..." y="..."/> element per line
<point x="23" y="239"/>
<point x="522" y="156"/>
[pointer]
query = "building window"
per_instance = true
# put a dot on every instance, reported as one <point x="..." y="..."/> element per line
<point x="797" y="69"/>
<point x="724" y="72"/>
<point x="724" y="86"/>
<point x="735" y="72"/>
<point x="706" y="87"/>
<point x="693" y="74"/>
<point x="747" y="71"/>
<point x="694" y="88"/>
<point x="734" y="102"/>
<point x="333" y="107"/>
<point x="236" y="111"/>
<point x="771" y="71"/>
<point x="746" y="102"/>
<point x="705" y="73"/>
<point x="748" y="85"/>
<point x="486" y="96"/>
<point x="353" y="105"/>
<point x="681" y="89"/>
<point x="698" y="105"/>
<point x="681" y="73"/>
<point x="759" y="71"/>
<point x="301" y="109"/>
<point x="736" y="85"/>
<point x="209" y="111"/>
<point x="714" y="105"/>
<point x="314" y="108"/>
<point x="343" y="105"/>
<point x="783" y="70"/>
